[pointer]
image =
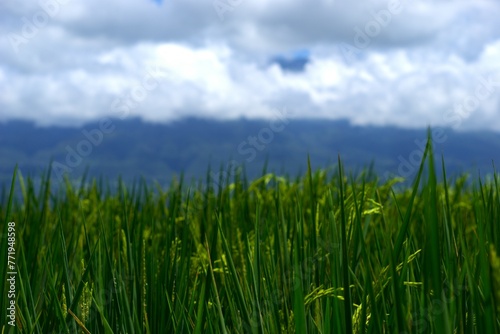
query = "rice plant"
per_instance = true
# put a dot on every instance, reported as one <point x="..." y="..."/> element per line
<point x="329" y="252"/>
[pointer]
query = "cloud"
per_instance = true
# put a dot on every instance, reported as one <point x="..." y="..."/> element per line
<point x="81" y="61"/>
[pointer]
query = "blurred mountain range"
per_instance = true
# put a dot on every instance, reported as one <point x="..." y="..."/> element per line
<point x="132" y="148"/>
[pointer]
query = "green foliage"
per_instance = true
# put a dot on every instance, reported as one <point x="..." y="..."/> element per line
<point x="319" y="254"/>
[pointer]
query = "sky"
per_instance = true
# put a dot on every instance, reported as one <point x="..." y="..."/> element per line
<point x="400" y="62"/>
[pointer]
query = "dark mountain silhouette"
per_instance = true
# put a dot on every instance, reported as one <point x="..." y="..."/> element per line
<point x="132" y="148"/>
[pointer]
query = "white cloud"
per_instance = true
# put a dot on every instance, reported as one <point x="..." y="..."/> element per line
<point x="85" y="56"/>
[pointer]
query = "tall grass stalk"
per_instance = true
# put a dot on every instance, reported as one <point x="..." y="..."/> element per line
<point x="322" y="253"/>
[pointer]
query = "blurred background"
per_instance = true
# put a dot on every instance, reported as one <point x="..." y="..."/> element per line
<point x="157" y="88"/>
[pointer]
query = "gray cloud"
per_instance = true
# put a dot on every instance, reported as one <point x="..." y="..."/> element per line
<point x="84" y="56"/>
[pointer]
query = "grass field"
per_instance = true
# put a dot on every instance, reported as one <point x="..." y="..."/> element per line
<point x="325" y="253"/>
